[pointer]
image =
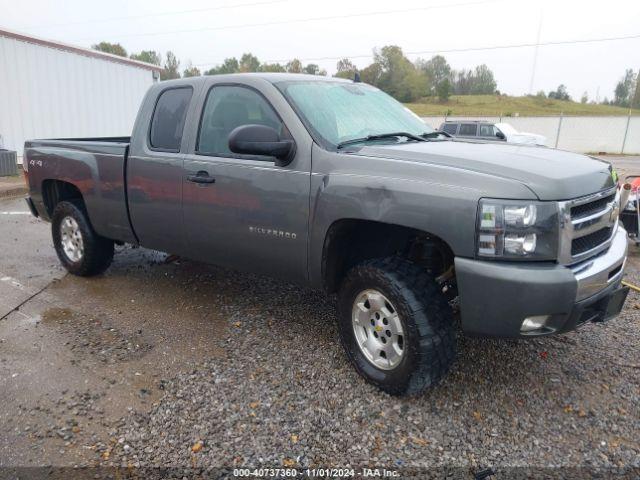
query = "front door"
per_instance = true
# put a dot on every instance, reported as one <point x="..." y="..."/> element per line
<point x="244" y="211"/>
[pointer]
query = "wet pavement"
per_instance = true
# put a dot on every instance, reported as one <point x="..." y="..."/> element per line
<point x="114" y="337"/>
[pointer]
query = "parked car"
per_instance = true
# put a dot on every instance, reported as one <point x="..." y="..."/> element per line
<point x="491" y="131"/>
<point x="333" y="184"/>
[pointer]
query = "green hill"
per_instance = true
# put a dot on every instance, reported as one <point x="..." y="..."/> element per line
<point x="496" y="105"/>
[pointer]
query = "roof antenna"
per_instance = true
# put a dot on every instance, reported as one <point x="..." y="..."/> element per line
<point x="356" y="77"/>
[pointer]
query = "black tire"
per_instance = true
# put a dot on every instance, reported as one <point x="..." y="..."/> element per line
<point x="429" y="346"/>
<point x="98" y="251"/>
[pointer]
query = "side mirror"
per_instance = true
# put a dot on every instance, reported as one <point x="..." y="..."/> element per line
<point x="260" y="140"/>
<point x="500" y="135"/>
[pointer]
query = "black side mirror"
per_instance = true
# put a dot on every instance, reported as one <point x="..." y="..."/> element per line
<point x="261" y="140"/>
<point x="500" y="135"/>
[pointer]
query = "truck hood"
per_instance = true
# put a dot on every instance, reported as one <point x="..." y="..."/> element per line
<point x="550" y="174"/>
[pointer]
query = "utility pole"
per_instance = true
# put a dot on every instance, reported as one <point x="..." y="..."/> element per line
<point x="535" y="54"/>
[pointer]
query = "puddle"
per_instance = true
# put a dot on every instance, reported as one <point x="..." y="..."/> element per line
<point x="56" y="314"/>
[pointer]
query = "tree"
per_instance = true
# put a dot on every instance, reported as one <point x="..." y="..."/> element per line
<point x="170" y="69"/>
<point x="479" y="81"/>
<point x="462" y="81"/>
<point x="436" y="69"/>
<point x="191" y="71"/>
<point x="345" y="69"/>
<point x="249" y="63"/>
<point x="294" y="66"/>
<point x="371" y="74"/>
<point x="398" y="76"/>
<point x="148" y="56"/>
<point x="443" y="90"/>
<point x="272" y="67"/>
<point x="313" y="69"/>
<point x="345" y="65"/>
<point x="230" y="65"/>
<point x="560" y="93"/>
<point x="482" y="81"/>
<point x="112" y="48"/>
<point x="584" y="98"/>
<point x="635" y="100"/>
<point x="625" y="89"/>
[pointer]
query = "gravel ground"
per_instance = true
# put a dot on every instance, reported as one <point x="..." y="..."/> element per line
<point x="173" y="364"/>
<point x="285" y="396"/>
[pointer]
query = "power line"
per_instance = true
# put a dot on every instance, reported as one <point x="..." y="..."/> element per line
<point x="303" y="20"/>
<point x="153" y="15"/>
<point x="456" y="50"/>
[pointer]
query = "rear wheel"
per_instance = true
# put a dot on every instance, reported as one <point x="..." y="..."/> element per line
<point x="395" y="325"/>
<point x="80" y="249"/>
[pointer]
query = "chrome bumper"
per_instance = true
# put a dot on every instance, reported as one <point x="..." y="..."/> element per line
<point x="599" y="272"/>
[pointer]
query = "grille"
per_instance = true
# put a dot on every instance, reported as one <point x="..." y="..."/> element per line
<point x="588" y="242"/>
<point x="586" y="209"/>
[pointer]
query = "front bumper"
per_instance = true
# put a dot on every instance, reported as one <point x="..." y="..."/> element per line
<point x="496" y="297"/>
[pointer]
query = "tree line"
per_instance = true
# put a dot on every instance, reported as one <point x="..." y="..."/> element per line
<point x="626" y="93"/>
<point x="390" y="70"/>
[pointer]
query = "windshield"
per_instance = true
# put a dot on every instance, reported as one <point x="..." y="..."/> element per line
<point x="337" y="112"/>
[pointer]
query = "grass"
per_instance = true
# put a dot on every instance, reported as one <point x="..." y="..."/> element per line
<point x="504" y="105"/>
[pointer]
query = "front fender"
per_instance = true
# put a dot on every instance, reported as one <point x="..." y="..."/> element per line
<point x="435" y="199"/>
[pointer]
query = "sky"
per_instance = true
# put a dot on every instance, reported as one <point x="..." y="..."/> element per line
<point x="206" y="32"/>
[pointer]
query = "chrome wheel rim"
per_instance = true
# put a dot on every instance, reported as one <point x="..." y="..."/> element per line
<point x="378" y="330"/>
<point x="71" y="239"/>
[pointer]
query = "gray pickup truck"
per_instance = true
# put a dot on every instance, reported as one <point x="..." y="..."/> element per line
<point x="333" y="184"/>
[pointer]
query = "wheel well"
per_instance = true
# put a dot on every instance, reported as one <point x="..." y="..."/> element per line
<point x="55" y="191"/>
<point x="349" y="242"/>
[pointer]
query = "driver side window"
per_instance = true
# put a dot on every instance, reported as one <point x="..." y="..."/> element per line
<point x="228" y="107"/>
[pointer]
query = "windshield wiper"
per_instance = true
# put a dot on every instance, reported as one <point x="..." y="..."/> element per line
<point x="382" y="136"/>
<point x="435" y="134"/>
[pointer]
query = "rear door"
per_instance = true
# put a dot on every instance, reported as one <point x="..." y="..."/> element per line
<point x="245" y="211"/>
<point x="154" y="169"/>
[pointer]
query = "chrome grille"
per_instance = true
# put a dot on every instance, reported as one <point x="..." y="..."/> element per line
<point x="587" y="225"/>
<point x="586" y="209"/>
<point x="593" y="240"/>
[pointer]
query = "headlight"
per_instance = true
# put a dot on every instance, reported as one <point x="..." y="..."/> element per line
<point x="514" y="229"/>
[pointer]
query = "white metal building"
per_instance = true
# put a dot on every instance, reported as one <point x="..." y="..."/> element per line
<point x="54" y="90"/>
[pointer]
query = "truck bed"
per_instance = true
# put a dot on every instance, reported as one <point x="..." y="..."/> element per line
<point x="96" y="166"/>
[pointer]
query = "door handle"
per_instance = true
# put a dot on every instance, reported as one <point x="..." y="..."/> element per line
<point x="201" y="177"/>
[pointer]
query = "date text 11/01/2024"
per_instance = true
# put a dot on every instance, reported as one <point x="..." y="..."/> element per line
<point x="316" y="473"/>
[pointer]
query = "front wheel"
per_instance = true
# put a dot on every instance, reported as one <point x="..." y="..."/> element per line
<point x="80" y="249"/>
<point x="395" y="325"/>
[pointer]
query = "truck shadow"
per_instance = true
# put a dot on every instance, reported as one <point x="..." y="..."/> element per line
<point x="184" y="303"/>
<point x="247" y="345"/>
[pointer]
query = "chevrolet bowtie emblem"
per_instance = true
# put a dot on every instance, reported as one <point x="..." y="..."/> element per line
<point x="378" y="328"/>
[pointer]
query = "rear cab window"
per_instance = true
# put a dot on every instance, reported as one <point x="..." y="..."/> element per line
<point x="468" y="129"/>
<point x="167" y="122"/>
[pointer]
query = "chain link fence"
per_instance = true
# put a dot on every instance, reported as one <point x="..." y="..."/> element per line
<point x="585" y="134"/>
